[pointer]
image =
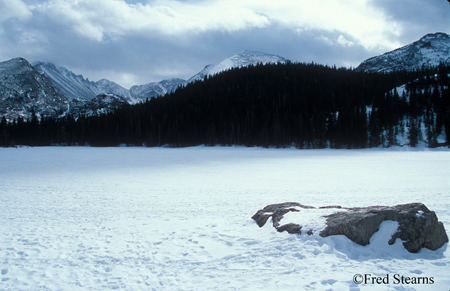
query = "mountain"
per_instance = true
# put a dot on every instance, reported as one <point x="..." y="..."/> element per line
<point x="51" y="90"/>
<point x="245" y="58"/>
<point x="430" y="50"/>
<point x="76" y="87"/>
<point x="100" y="104"/>
<point x="294" y="105"/>
<point x="142" y="92"/>
<point x="242" y="59"/>
<point x="66" y="83"/>
<point x="23" y="90"/>
<point x="108" y="87"/>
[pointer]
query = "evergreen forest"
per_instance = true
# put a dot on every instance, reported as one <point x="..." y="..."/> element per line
<point x="276" y="105"/>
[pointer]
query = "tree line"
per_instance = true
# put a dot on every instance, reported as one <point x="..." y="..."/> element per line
<point x="273" y="105"/>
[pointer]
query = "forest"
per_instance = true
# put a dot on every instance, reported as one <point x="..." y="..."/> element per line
<point x="274" y="105"/>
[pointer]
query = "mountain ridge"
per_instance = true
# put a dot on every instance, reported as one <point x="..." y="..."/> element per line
<point x="77" y="95"/>
<point x="429" y="50"/>
<point x="67" y="92"/>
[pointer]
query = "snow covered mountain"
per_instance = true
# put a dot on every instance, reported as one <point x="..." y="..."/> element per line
<point x="62" y="91"/>
<point x="66" y="82"/>
<point x="108" y="87"/>
<point x="76" y="87"/>
<point x="50" y="90"/>
<point x="102" y="103"/>
<point x="430" y="50"/>
<point x="243" y="59"/>
<point x="142" y="92"/>
<point x="24" y="91"/>
<point x="85" y="97"/>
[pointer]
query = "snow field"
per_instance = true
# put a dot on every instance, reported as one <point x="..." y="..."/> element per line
<point x="84" y="218"/>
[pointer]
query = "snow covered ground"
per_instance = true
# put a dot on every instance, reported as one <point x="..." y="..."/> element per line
<point x="80" y="218"/>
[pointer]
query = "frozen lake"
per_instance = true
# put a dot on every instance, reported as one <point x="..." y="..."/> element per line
<point x="80" y="218"/>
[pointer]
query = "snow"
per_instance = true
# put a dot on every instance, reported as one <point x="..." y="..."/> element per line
<point x="310" y="219"/>
<point x="430" y="50"/>
<point x="70" y="85"/>
<point x="243" y="59"/>
<point x="80" y="218"/>
<point x="419" y="214"/>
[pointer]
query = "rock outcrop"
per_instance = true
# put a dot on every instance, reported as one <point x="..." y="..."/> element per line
<point x="418" y="226"/>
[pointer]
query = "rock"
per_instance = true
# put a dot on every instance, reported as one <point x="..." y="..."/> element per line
<point x="418" y="226"/>
<point x="290" y="228"/>
<point x="277" y="212"/>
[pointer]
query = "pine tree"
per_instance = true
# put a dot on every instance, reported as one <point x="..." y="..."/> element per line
<point x="414" y="132"/>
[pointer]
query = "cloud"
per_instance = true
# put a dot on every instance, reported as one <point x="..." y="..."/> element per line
<point x="342" y="40"/>
<point x="103" y="20"/>
<point x="357" y="18"/>
<point x="13" y="9"/>
<point x="416" y="17"/>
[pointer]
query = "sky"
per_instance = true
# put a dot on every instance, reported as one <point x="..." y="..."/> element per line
<point x="135" y="42"/>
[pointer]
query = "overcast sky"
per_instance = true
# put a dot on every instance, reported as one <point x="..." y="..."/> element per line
<point x="136" y="42"/>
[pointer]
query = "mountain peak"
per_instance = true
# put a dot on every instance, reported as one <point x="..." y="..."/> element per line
<point x="25" y="90"/>
<point x="433" y="36"/>
<point x="430" y="50"/>
<point x="20" y="60"/>
<point x="252" y="53"/>
<point x="242" y="59"/>
<point x="16" y="65"/>
<point x="248" y="57"/>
